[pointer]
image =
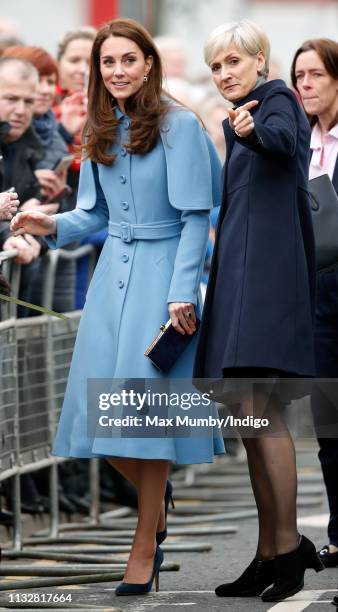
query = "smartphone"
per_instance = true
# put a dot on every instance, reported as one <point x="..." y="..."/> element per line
<point x="63" y="163"/>
<point x="63" y="193"/>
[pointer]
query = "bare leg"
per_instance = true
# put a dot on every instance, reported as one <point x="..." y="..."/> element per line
<point x="130" y="469"/>
<point x="152" y="482"/>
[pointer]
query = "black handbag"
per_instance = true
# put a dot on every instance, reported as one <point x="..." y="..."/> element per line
<point x="324" y="207"/>
<point x="168" y="345"/>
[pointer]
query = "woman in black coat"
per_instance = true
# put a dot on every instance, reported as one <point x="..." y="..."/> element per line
<point x="258" y="314"/>
<point x="314" y="74"/>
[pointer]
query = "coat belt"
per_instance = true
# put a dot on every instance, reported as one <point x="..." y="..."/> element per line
<point x="128" y="231"/>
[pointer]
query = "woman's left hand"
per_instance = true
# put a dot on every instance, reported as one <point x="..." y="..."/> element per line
<point x="241" y="120"/>
<point x="183" y="317"/>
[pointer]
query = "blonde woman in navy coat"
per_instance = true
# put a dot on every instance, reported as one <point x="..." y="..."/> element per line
<point x="151" y="175"/>
<point x="258" y="315"/>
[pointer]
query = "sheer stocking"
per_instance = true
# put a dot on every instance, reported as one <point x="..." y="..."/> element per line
<point x="272" y="467"/>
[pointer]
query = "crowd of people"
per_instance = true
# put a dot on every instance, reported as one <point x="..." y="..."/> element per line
<point x="151" y="153"/>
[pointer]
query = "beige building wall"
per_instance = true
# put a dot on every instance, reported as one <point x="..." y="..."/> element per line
<point x="43" y="22"/>
<point x="287" y="23"/>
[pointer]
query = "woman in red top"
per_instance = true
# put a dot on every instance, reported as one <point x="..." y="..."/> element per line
<point x="71" y="101"/>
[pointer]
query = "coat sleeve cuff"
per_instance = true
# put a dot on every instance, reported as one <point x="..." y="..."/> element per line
<point x="187" y="299"/>
<point x="253" y="141"/>
<point x="53" y="240"/>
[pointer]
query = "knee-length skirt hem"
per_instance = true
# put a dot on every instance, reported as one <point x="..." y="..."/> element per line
<point x="186" y="457"/>
<point x="238" y="382"/>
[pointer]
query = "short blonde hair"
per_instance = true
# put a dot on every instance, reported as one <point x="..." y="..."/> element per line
<point x="244" y="34"/>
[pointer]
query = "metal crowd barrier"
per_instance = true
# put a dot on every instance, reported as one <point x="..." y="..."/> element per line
<point x="35" y="355"/>
<point x="35" y="358"/>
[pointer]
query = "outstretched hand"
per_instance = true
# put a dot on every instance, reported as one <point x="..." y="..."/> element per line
<point x="33" y="222"/>
<point x="241" y="120"/>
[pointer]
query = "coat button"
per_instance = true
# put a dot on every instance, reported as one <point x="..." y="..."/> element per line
<point x="120" y="284"/>
<point x="123" y="179"/>
<point x="165" y="128"/>
<point x="123" y="152"/>
<point x="125" y="257"/>
<point x="124" y="205"/>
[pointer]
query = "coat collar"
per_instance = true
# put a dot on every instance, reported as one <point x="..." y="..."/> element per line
<point x="118" y="113"/>
<point x="260" y="92"/>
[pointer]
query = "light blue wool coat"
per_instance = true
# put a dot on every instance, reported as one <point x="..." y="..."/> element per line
<point x="156" y="207"/>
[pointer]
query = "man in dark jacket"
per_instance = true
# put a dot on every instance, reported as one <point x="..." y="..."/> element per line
<point x="20" y="152"/>
<point x="20" y="149"/>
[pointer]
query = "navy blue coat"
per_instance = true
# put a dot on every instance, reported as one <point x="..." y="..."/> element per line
<point x="326" y="330"/>
<point x="259" y="307"/>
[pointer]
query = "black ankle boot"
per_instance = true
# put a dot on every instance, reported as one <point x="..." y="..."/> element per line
<point x="257" y="577"/>
<point x="290" y="569"/>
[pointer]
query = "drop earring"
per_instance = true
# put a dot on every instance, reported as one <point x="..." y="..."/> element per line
<point x="145" y="78"/>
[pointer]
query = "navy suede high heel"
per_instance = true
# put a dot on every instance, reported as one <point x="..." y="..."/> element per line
<point x="168" y="497"/>
<point x="127" y="588"/>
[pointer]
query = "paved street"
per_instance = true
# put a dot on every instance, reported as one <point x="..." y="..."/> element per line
<point x="192" y="587"/>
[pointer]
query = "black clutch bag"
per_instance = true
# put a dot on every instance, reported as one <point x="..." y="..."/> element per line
<point x="324" y="205"/>
<point x="166" y="348"/>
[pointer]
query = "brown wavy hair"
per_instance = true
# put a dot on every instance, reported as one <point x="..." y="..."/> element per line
<point x="146" y="108"/>
<point x="327" y="50"/>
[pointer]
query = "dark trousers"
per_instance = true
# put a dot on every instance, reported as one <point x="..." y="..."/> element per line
<point x="324" y="404"/>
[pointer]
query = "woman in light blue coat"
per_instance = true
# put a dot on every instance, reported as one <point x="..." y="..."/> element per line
<point x="151" y="175"/>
